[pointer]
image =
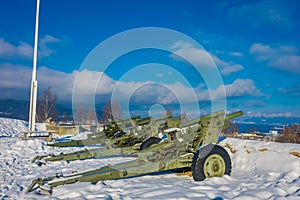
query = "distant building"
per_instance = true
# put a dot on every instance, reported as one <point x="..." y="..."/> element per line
<point x="273" y="133"/>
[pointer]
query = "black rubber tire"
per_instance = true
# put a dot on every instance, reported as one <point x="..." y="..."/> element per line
<point x="149" y="142"/>
<point x="119" y="134"/>
<point x="201" y="156"/>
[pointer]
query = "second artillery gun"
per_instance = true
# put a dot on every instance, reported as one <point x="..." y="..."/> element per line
<point x="192" y="144"/>
<point x="131" y="130"/>
<point x="140" y="134"/>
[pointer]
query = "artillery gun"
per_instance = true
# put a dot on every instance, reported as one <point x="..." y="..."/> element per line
<point x="126" y="129"/>
<point x="129" y="142"/>
<point x="192" y="145"/>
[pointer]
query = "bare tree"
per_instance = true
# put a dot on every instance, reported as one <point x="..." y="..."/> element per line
<point x="169" y="111"/>
<point x="111" y="111"/>
<point x="79" y="114"/>
<point x="183" y="116"/>
<point x="46" y="106"/>
<point x="230" y="128"/>
<point x="290" y="134"/>
<point x="91" y="116"/>
<point x="83" y="115"/>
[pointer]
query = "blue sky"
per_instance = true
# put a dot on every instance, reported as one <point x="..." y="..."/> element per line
<point x="255" y="45"/>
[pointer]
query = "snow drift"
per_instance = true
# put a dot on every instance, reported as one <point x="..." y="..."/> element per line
<point x="261" y="170"/>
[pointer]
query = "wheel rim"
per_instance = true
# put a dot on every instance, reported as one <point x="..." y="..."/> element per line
<point x="214" y="166"/>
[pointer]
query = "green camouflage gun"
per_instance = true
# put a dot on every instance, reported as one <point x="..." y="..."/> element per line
<point x="98" y="137"/>
<point x="113" y="130"/>
<point x="190" y="145"/>
<point x="113" y="146"/>
<point x="130" y="143"/>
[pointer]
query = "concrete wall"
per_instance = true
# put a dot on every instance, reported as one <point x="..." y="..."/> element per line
<point x="70" y="130"/>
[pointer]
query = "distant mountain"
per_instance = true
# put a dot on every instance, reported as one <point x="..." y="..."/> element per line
<point x="19" y="109"/>
<point x="269" y="120"/>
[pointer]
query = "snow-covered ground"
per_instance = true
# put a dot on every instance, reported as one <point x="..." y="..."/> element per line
<point x="261" y="170"/>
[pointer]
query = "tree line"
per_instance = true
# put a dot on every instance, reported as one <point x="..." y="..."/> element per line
<point x="290" y="134"/>
<point x="46" y="110"/>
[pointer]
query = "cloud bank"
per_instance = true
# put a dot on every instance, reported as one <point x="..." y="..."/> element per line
<point x="284" y="57"/>
<point x="200" y="58"/>
<point x="24" y="50"/>
<point x="15" y="83"/>
<point x="265" y="12"/>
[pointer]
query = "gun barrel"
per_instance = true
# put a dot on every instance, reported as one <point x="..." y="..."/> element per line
<point x="162" y="117"/>
<point x="234" y="115"/>
<point x="213" y="115"/>
<point x="199" y="119"/>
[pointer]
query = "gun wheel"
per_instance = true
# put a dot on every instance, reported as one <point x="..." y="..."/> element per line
<point x="149" y="142"/>
<point x="119" y="134"/>
<point x="210" y="161"/>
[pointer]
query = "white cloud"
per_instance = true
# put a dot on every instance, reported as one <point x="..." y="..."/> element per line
<point x="293" y="90"/>
<point x="199" y="57"/>
<point x="242" y="87"/>
<point x="15" y="78"/>
<point x="87" y="82"/>
<point x="24" y="50"/>
<point x="227" y="68"/>
<point x="237" y="54"/>
<point x="14" y="81"/>
<point x="159" y="75"/>
<point x="255" y="103"/>
<point x="44" y="50"/>
<point x="269" y="115"/>
<point x="265" y="12"/>
<point x="6" y="49"/>
<point x="239" y="88"/>
<point x="284" y="57"/>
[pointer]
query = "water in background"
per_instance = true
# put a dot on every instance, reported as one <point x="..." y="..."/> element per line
<point x="264" y="128"/>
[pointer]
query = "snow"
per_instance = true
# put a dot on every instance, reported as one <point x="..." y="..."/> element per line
<point x="261" y="170"/>
<point x="14" y="127"/>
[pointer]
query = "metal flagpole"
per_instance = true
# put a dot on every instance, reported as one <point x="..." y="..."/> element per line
<point x="33" y="92"/>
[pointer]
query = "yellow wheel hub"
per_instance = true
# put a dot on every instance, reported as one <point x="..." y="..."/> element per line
<point x="214" y="166"/>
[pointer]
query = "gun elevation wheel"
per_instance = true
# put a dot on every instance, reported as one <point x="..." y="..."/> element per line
<point x="149" y="142"/>
<point x="210" y="161"/>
